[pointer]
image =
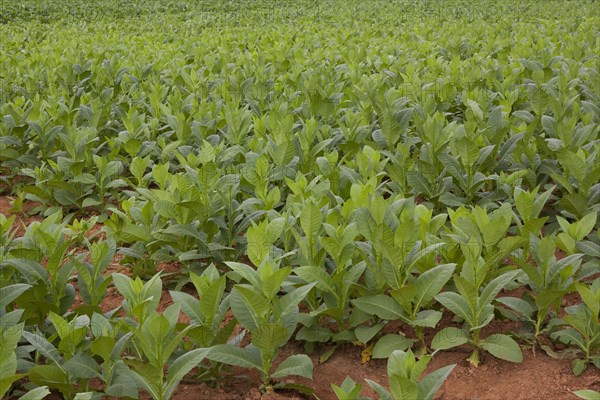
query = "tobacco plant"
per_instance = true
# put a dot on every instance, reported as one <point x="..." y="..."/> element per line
<point x="270" y="320"/>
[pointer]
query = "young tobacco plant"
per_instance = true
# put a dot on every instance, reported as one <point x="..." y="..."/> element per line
<point x="207" y="314"/>
<point x="42" y="257"/>
<point x="92" y="283"/>
<point x="335" y="283"/>
<point x="157" y="340"/>
<point x="109" y="345"/>
<point x="394" y="250"/>
<point x="409" y="304"/>
<point x="489" y="231"/>
<point x="574" y="232"/>
<point x="270" y="319"/>
<point x="473" y="304"/>
<point x="404" y="373"/>
<point x="69" y="366"/>
<point x="583" y="328"/>
<point x="550" y="280"/>
<point x="349" y="390"/>
<point x="141" y="298"/>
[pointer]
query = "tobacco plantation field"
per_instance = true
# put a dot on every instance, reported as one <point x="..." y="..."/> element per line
<point x="305" y="199"/>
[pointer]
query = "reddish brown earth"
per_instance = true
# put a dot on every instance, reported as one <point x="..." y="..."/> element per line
<point x="537" y="377"/>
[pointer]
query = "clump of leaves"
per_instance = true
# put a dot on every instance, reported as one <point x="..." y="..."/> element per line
<point x="582" y="327"/>
<point x="404" y="373"/>
<point x="270" y="319"/>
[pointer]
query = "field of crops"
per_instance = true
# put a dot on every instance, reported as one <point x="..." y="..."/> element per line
<point x="278" y="199"/>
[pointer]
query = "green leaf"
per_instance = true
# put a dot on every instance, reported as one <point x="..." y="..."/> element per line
<point x="349" y="390"/>
<point x="189" y="305"/>
<point x="146" y="383"/>
<point x="495" y="286"/>
<point x="85" y="396"/>
<point x="588" y="394"/>
<point x="448" y="338"/>
<point x="137" y="168"/>
<point x="476" y="108"/>
<point x="390" y="343"/>
<point x="589" y="248"/>
<point x="268" y="337"/>
<point x="429" y="283"/>
<point x="366" y="333"/>
<point x="380" y="390"/>
<point x="45" y="348"/>
<point x="298" y="365"/>
<point x="51" y="376"/>
<point x="259" y="245"/>
<point x="383" y="306"/>
<point x="289" y="302"/>
<point x="232" y="355"/>
<point x="578" y="366"/>
<point x="419" y="183"/>
<point x="36" y="394"/>
<point x="123" y="283"/>
<point x="316" y="275"/>
<point x="430" y="384"/>
<point x="426" y="318"/>
<point x="403" y="388"/>
<point x="180" y="367"/>
<point x="585" y="226"/>
<point x="504" y="347"/>
<point x="248" y="307"/>
<point x="311" y="221"/>
<point x="575" y="203"/>
<point x="82" y="365"/>
<point x="590" y="299"/>
<point x="520" y="306"/>
<point x="9" y="293"/>
<point x="457" y="304"/>
<point x="123" y="382"/>
<point x="6" y="382"/>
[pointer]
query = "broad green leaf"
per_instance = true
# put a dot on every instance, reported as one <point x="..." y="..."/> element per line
<point x="578" y="366"/>
<point x="315" y="275"/>
<point x="383" y="306"/>
<point x="36" y="394"/>
<point x="430" y="384"/>
<point x="123" y="383"/>
<point x="248" y="307"/>
<point x="298" y="365"/>
<point x="45" y="348"/>
<point x="311" y="221"/>
<point x="495" y="286"/>
<point x="448" y="338"/>
<point x="365" y="333"/>
<point x="82" y="365"/>
<point x="182" y="366"/>
<point x="390" y="343"/>
<point x="457" y="304"/>
<point x="232" y="355"/>
<point x="380" y="390"/>
<point x="268" y="337"/>
<point x="9" y="293"/>
<point x="504" y="347"/>
<point x="429" y="283"/>
<point x="520" y="306"/>
<point x="190" y="306"/>
<point x="426" y="318"/>
<point x="51" y="376"/>
<point x="588" y="394"/>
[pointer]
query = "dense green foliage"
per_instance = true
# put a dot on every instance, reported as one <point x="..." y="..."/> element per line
<point x="316" y="170"/>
